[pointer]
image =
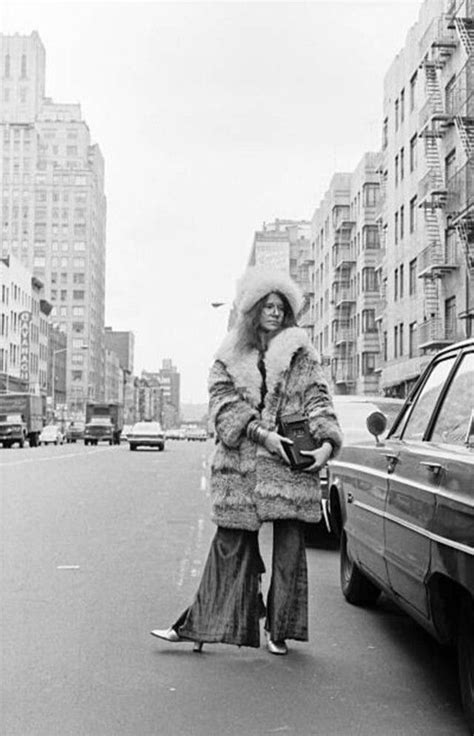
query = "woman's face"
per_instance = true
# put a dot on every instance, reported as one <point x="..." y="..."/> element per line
<point x="272" y="314"/>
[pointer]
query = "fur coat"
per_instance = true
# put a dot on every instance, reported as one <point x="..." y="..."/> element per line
<point x="249" y="485"/>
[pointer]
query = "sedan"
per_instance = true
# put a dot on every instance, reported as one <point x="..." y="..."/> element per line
<point x="51" y="435"/>
<point x="146" y="434"/>
<point x="403" y="508"/>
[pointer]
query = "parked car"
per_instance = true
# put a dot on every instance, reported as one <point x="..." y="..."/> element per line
<point x="51" y="435"/>
<point x="74" y="432"/>
<point x="404" y="509"/>
<point x="196" y="434"/>
<point x="352" y="411"/>
<point x="175" y="434"/>
<point x="146" y="434"/>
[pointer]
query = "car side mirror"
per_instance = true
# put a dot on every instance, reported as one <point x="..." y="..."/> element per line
<point x="376" y="424"/>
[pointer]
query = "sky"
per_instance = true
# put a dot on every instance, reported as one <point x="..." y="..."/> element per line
<point x="213" y="118"/>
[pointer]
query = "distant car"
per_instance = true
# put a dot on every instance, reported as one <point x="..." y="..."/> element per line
<point x="352" y="411"/>
<point x="75" y="432"/>
<point x="175" y="434"/>
<point x="196" y="434"/>
<point x="51" y="435"/>
<point x="403" y="508"/>
<point x="146" y="434"/>
<point x="125" y="432"/>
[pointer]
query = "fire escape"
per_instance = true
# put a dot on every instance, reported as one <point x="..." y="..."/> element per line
<point x="447" y="202"/>
<point x="343" y="298"/>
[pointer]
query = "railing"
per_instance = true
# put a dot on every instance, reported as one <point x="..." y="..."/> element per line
<point x="342" y="218"/>
<point x="460" y="190"/>
<point x="460" y="9"/>
<point x="432" y="182"/>
<point x="438" y="256"/>
<point x="427" y="111"/>
<point x="433" y="331"/>
<point x="460" y="98"/>
<point x="344" y="372"/>
<point x="437" y="33"/>
<point x="343" y="294"/>
<point x="341" y="254"/>
<point x="343" y="334"/>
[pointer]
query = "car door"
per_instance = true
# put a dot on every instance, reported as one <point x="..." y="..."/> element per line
<point x="414" y="480"/>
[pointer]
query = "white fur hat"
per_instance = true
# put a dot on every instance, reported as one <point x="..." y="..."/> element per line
<point x="258" y="281"/>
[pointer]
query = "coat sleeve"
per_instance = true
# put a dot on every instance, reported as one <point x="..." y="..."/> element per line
<point x="318" y="406"/>
<point x="229" y="414"/>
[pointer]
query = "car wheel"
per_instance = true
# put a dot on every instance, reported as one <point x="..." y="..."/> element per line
<point x="21" y="443"/>
<point x="465" y="647"/>
<point x="356" y="587"/>
<point x="133" y="447"/>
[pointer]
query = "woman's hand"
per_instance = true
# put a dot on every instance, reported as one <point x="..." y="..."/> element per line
<point x="274" y="443"/>
<point x="320" y="456"/>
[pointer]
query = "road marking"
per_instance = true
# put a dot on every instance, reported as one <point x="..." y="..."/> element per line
<point x="52" y="457"/>
<point x="68" y="567"/>
<point x="203" y="483"/>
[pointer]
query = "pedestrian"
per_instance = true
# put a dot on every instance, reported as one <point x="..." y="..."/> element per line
<point x="265" y="368"/>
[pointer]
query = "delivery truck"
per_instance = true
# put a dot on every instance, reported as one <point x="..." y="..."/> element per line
<point x="21" y="418"/>
<point x="104" y="423"/>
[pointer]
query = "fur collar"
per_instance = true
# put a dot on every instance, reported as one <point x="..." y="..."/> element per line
<point x="243" y="366"/>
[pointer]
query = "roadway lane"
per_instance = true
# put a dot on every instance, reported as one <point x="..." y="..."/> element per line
<point x="99" y="545"/>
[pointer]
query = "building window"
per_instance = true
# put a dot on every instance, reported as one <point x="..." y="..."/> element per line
<point x="396" y="228"/>
<point x="385" y="133"/>
<point x="402" y="105"/>
<point x="450" y="165"/>
<point x="402" y="163"/>
<point x="413" y="150"/>
<point x="368" y="320"/>
<point x="402" y="222"/>
<point x="370" y="195"/>
<point x="413" y="91"/>
<point x="400" y="337"/>
<point x="395" y="285"/>
<point x="23" y="66"/>
<point x="368" y="363"/>
<point x="450" y="317"/>
<point x="449" y="95"/>
<point x="412" y="278"/>
<point x="396" y="170"/>
<point x="369" y="279"/>
<point x="412" y="340"/>
<point x="79" y="295"/>
<point x="371" y="238"/>
<point x="395" y="341"/>
<point x="413" y="210"/>
<point x="397" y="108"/>
<point x="7" y="66"/>
<point x="401" y="280"/>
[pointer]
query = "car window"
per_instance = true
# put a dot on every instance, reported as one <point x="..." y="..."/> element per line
<point x="454" y="417"/>
<point x="425" y="402"/>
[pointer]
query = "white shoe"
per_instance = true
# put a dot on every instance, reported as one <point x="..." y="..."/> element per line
<point x="167" y="634"/>
<point x="276" y="647"/>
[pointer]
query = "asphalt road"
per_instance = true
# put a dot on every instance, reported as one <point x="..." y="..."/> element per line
<point x="99" y="545"/>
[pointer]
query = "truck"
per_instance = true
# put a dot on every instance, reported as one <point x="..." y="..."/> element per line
<point x="21" y="418"/>
<point x="104" y="422"/>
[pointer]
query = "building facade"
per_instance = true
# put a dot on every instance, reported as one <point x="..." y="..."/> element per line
<point x="54" y="208"/>
<point x="24" y="329"/>
<point x="426" y="214"/>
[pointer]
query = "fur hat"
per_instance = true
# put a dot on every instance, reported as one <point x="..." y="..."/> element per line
<point x="258" y="281"/>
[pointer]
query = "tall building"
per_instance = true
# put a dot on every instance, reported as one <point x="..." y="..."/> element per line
<point x="24" y="329"/>
<point x="54" y="208"/>
<point x="426" y="215"/>
<point x="123" y="344"/>
<point x="170" y="381"/>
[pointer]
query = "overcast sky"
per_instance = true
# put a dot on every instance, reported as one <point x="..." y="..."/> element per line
<point x="212" y="118"/>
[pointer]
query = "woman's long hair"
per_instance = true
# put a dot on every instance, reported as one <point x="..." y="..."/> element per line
<point x="248" y="326"/>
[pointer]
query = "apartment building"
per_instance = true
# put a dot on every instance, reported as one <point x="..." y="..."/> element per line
<point x="54" y="208"/>
<point x="346" y="252"/>
<point x="426" y="212"/>
<point x="24" y="329"/>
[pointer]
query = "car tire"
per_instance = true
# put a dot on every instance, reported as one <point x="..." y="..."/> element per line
<point x="356" y="587"/>
<point x="133" y="447"/>
<point x="21" y="444"/>
<point x="465" y="651"/>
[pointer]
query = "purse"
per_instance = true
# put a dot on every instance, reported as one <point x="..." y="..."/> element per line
<point x="296" y="428"/>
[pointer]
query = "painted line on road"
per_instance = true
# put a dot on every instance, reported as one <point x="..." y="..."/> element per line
<point x="52" y="457"/>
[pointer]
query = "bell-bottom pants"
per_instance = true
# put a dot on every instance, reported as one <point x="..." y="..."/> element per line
<point x="228" y="604"/>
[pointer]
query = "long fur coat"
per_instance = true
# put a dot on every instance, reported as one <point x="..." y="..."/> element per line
<point x="249" y="485"/>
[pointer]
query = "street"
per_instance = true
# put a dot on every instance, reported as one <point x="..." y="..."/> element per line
<point x="99" y="545"/>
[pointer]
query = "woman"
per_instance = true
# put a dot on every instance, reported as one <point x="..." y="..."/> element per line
<point x="265" y="368"/>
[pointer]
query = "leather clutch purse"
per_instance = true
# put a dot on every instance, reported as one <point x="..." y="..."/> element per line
<point x="296" y="428"/>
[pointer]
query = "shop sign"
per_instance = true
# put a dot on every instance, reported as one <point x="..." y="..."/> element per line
<point x="25" y="319"/>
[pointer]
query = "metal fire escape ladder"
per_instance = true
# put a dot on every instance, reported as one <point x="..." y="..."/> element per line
<point x="465" y="128"/>
<point x="465" y="30"/>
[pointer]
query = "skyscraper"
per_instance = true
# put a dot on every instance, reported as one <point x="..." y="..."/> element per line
<point x="53" y="206"/>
